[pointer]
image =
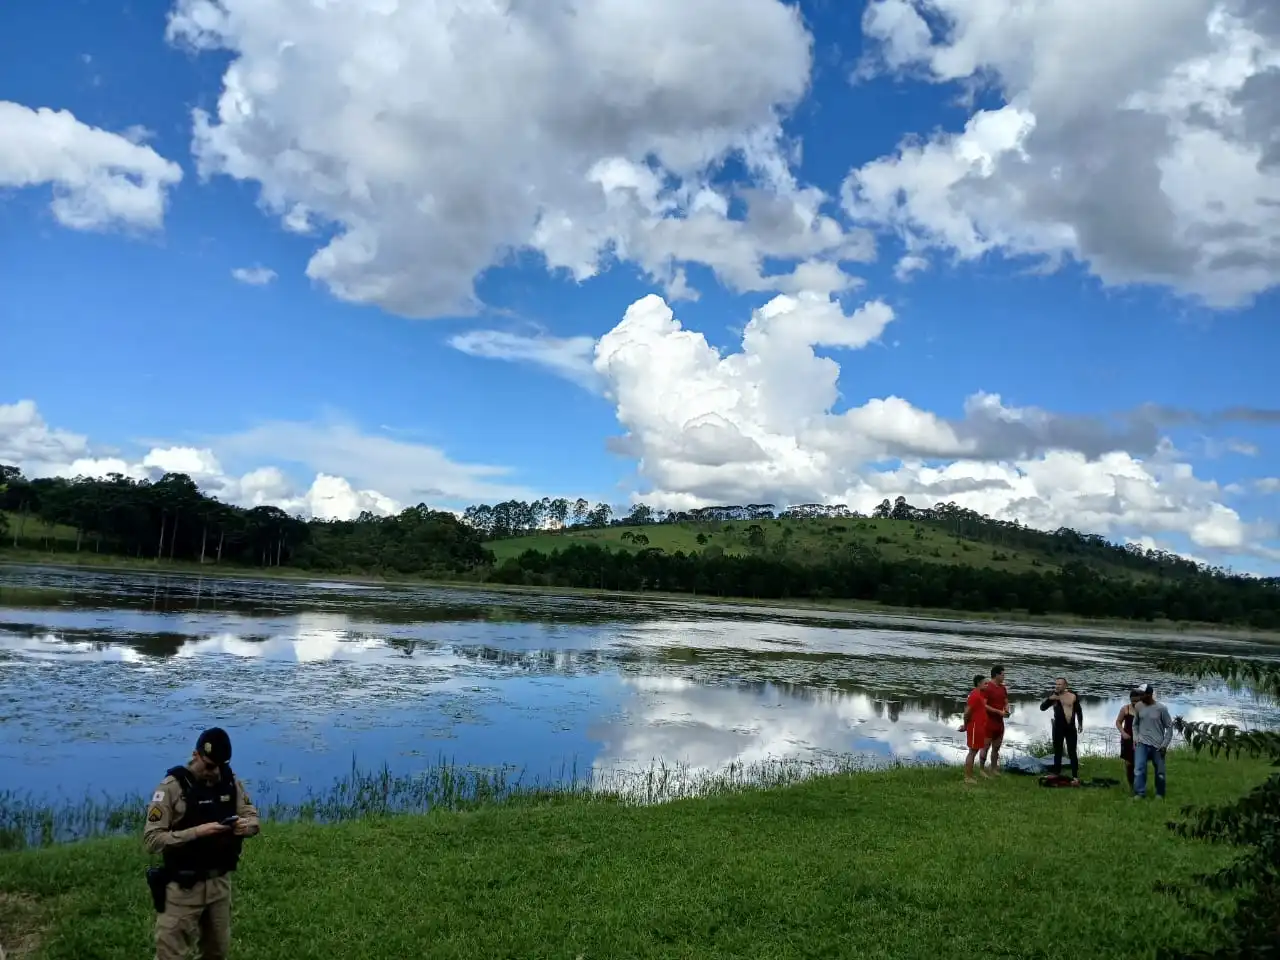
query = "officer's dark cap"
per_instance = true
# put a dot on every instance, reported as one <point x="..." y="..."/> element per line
<point x="215" y="746"/>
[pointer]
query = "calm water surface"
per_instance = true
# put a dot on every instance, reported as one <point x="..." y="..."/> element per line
<point x="105" y="684"/>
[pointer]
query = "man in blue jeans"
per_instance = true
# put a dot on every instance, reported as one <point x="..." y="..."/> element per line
<point x="1152" y="734"/>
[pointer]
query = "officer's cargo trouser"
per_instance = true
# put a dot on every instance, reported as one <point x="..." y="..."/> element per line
<point x="204" y="913"/>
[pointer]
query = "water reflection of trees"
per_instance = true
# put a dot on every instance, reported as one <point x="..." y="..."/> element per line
<point x="159" y="644"/>
<point x="886" y="702"/>
<point x="185" y="593"/>
<point x="565" y="662"/>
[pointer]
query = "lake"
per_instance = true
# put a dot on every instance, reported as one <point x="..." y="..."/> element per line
<point x="106" y="679"/>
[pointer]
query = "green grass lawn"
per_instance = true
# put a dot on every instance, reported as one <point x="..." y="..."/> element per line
<point x="902" y="863"/>
<point x="896" y="540"/>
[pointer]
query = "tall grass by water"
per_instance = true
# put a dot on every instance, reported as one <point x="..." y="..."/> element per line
<point x="27" y="821"/>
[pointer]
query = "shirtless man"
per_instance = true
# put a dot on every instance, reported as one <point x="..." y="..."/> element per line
<point x="1067" y="717"/>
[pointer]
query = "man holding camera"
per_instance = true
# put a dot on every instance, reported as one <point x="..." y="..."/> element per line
<point x="197" y="819"/>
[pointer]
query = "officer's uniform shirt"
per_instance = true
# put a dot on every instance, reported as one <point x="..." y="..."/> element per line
<point x="167" y="807"/>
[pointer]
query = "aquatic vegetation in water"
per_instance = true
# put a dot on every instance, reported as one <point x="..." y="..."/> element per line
<point x="25" y="822"/>
<point x="34" y="596"/>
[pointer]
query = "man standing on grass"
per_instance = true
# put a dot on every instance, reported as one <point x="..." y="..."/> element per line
<point x="997" y="697"/>
<point x="1067" y="717"/>
<point x="1152" y="734"/>
<point x="198" y="818"/>
<point x="975" y="726"/>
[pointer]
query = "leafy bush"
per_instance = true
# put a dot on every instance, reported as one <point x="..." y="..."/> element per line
<point x="1250" y="927"/>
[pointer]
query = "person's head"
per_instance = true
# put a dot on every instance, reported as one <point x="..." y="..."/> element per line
<point x="212" y="753"/>
<point x="1060" y="685"/>
<point x="977" y="679"/>
<point x="997" y="673"/>
<point x="1146" y="693"/>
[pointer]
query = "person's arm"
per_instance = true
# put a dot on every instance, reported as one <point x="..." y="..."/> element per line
<point x="1120" y="722"/>
<point x="1079" y="716"/>
<point x="248" y="825"/>
<point x="157" y="835"/>
<point x="1049" y="702"/>
<point x="1166" y="728"/>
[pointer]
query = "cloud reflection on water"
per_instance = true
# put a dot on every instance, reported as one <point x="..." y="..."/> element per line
<point x="307" y="689"/>
<point x="707" y="726"/>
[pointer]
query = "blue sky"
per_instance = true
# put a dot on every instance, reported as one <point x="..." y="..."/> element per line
<point x="1089" y="252"/>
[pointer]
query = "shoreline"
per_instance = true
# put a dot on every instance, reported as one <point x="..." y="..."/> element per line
<point x="115" y="564"/>
<point x="853" y="864"/>
<point x="447" y="786"/>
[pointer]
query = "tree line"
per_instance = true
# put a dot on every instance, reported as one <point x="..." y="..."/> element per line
<point x="1075" y="588"/>
<point x="172" y="519"/>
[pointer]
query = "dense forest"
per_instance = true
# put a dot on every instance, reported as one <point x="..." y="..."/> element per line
<point x="1086" y="575"/>
<point x="172" y="519"/>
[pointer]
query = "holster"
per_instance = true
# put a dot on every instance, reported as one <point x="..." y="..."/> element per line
<point x="157" y="880"/>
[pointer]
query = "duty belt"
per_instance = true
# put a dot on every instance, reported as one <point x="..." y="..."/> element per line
<point x="189" y="878"/>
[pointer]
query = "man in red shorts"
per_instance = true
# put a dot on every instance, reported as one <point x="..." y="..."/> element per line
<point x="975" y="726"/>
<point x="997" y="697"/>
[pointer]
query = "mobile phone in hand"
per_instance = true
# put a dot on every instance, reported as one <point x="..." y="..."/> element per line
<point x="230" y="821"/>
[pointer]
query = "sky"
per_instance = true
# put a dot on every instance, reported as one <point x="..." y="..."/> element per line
<point x="345" y="255"/>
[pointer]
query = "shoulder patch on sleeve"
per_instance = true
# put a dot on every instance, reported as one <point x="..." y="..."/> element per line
<point x="157" y="797"/>
<point x="154" y="814"/>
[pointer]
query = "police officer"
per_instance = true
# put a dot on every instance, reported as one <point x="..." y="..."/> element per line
<point x="197" y="819"/>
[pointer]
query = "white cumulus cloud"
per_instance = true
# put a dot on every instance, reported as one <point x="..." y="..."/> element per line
<point x="764" y="424"/>
<point x="1141" y="138"/>
<point x="424" y="143"/>
<point x="352" y="472"/>
<point x="100" y="179"/>
<point x="254" y="276"/>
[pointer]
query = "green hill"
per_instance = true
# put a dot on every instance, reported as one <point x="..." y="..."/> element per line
<point x="32" y="532"/>
<point x="819" y="538"/>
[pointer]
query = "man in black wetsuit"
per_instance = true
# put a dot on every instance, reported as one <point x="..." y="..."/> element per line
<point x="1067" y="717"/>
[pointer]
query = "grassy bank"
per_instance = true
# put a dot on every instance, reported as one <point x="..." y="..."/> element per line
<point x="901" y="863"/>
<point x="27" y="821"/>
